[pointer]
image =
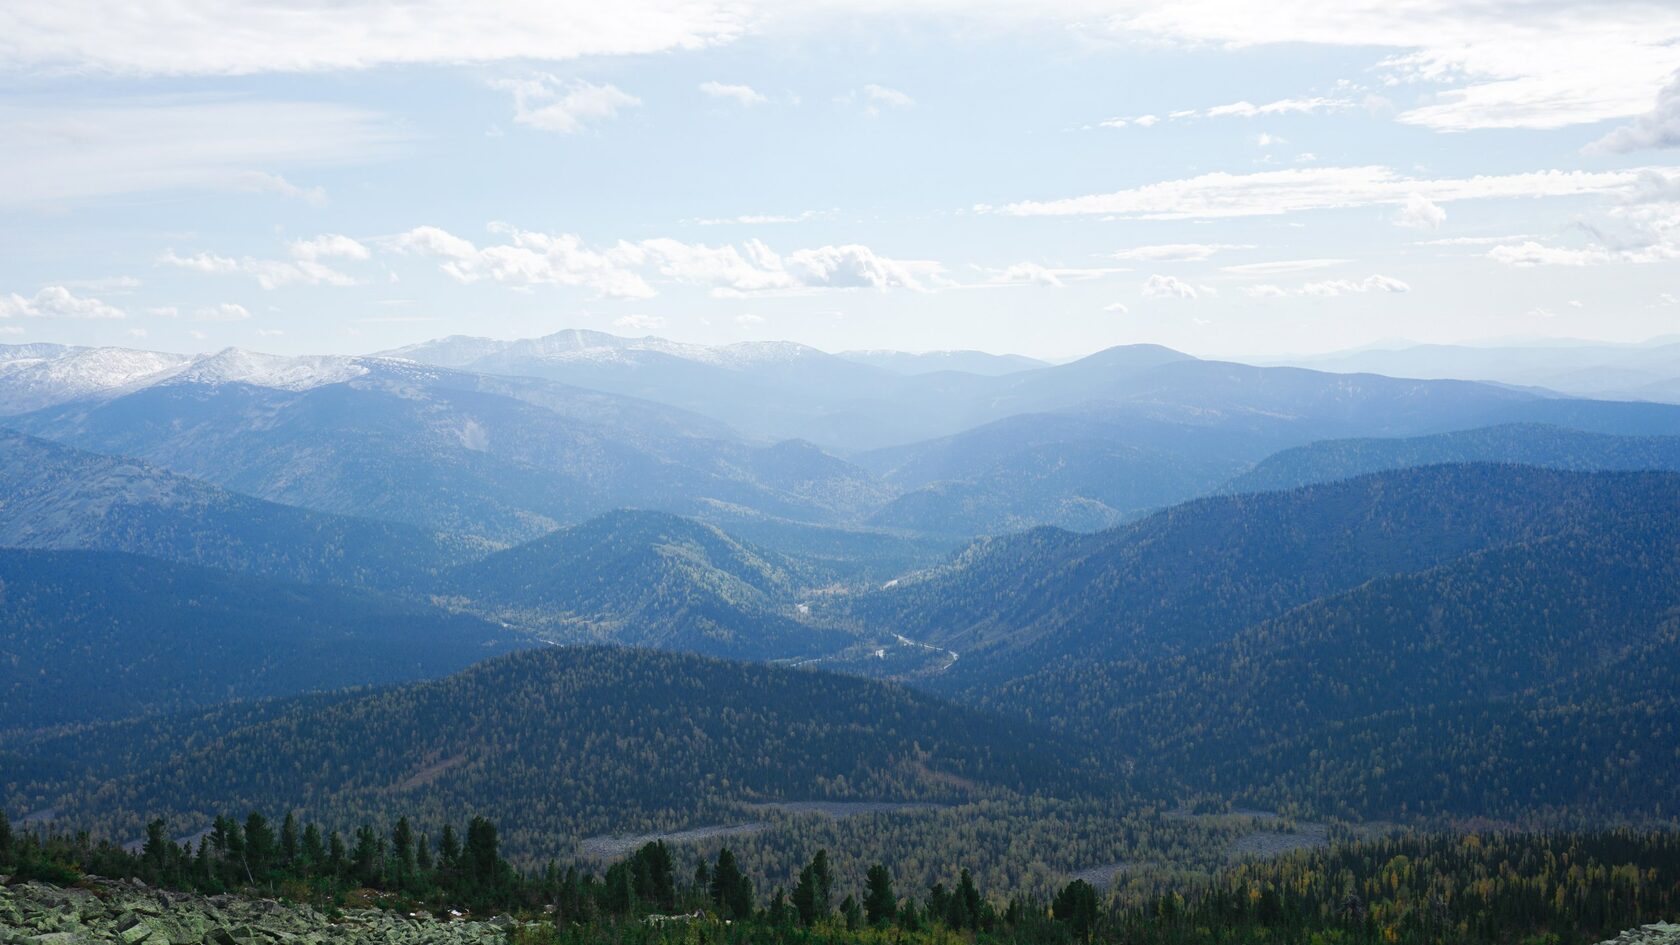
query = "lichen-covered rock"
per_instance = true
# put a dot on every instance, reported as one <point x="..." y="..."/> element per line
<point x="101" y="911"/>
<point x="1661" y="933"/>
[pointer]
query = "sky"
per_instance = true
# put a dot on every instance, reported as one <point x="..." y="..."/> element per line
<point x="1047" y="178"/>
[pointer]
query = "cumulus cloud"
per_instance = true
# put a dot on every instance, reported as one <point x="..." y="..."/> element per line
<point x="567" y="106"/>
<point x="1285" y="106"/>
<point x="1268" y="193"/>
<point x="1171" y="287"/>
<point x="1420" y="213"/>
<point x="304" y="268"/>
<point x="1371" y="283"/>
<point x="56" y="301"/>
<point x="530" y="258"/>
<point x="739" y="94"/>
<point x="1658" y="128"/>
<point x="1116" y="308"/>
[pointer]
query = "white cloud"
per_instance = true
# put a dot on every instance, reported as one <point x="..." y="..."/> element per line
<point x="1371" y="283"/>
<point x="1503" y="63"/>
<point x="1420" y="213"/>
<point x="1176" y="252"/>
<point x="137" y="333"/>
<point x="302" y="269"/>
<point x="646" y="323"/>
<point x="55" y="301"/>
<point x="1471" y="240"/>
<point x="530" y="258"/>
<point x="1658" y="128"/>
<point x="1171" y="287"/>
<point x="749" y="320"/>
<point x="892" y="98"/>
<point x="876" y="97"/>
<point x="1284" y="106"/>
<point x="1029" y="273"/>
<point x="1140" y="121"/>
<point x="74" y="151"/>
<point x="740" y="94"/>
<point x="1116" y="308"/>
<point x="329" y="245"/>
<point x="222" y="312"/>
<point x="1328" y="288"/>
<point x="215" y="37"/>
<point x="269" y="332"/>
<point x="1223" y="194"/>
<point x="549" y="103"/>
<point x="1529" y="254"/>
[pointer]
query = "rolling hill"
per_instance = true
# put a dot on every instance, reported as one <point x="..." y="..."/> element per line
<point x="563" y="742"/>
<point x="97" y="636"/>
<point x="647" y="579"/>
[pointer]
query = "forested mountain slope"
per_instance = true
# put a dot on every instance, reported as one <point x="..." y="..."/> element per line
<point x="56" y="496"/>
<point x="1197" y="573"/>
<point x="1527" y="444"/>
<point x="1470" y="689"/>
<point x="96" y="635"/>
<point x="647" y="579"/>
<point x="563" y="742"/>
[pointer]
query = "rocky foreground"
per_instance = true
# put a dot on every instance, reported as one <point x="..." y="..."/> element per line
<point x="132" y="914"/>
<point x="1662" y="933"/>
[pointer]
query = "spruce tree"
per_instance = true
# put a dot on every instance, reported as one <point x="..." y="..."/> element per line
<point x="879" y="904"/>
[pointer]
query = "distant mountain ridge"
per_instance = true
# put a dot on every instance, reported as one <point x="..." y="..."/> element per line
<point x="57" y="497"/>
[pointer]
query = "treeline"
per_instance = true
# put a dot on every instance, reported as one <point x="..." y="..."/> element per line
<point x="1490" y="888"/>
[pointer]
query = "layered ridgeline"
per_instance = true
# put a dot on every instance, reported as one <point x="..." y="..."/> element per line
<point x="1527" y="678"/>
<point x="96" y="636"/>
<point x="565" y="742"/>
<point x="1198" y="572"/>
<point x="1527" y="444"/>
<point x="496" y="458"/>
<point x="647" y="579"/>
<point x="59" y="497"/>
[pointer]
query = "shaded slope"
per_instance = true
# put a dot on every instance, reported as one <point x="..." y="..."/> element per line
<point x="564" y="742"/>
<point x="94" y="635"/>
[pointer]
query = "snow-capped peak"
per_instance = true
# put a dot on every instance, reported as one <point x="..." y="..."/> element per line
<point x="238" y="366"/>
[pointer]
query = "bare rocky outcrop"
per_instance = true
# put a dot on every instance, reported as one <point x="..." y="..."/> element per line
<point x="1661" y="933"/>
<point x="104" y="911"/>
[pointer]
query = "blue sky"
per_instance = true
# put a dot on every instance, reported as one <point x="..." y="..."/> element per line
<point x="1221" y="177"/>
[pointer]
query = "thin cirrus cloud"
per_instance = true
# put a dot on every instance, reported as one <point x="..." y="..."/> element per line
<point x="1494" y="64"/>
<point x="1268" y="193"/>
<point x="56" y="301"/>
<point x="84" y="150"/>
<point x="568" y="106"/>
<point x="211" y="37"/>
<point x="1177" y="252"/>
<point x="622" y="270"/>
